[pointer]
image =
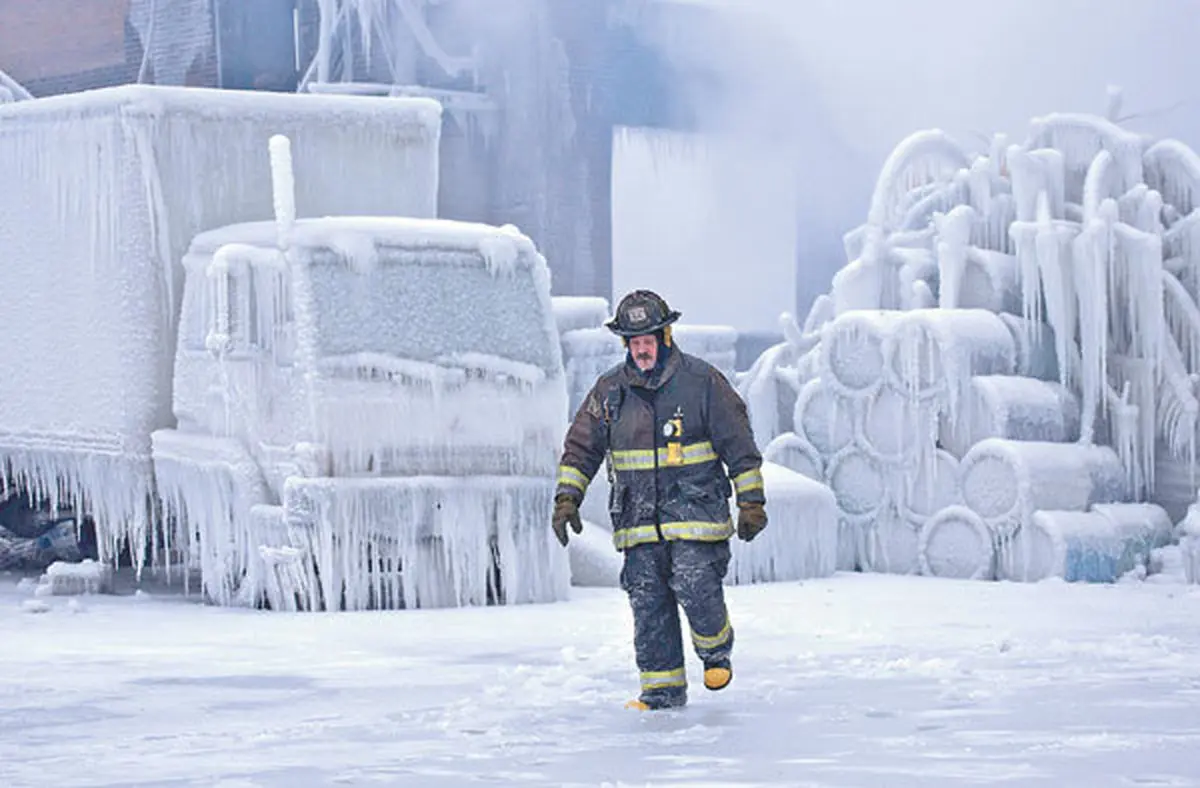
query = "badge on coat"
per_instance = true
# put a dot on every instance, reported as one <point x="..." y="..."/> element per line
<point x="673" y="432"/>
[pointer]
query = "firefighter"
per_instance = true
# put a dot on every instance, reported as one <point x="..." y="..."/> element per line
<point x="677" y="442"/>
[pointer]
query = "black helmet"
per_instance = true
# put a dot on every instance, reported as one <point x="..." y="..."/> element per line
<point x="641" y="312"/>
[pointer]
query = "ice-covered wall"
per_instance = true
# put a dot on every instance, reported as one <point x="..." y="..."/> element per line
<point x="103" y="192"/>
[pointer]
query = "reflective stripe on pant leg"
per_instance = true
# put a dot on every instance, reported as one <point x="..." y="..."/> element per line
<point x="657" y="631"/>
<point x="697" y="572"/>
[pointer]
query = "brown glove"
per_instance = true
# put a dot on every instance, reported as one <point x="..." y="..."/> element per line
<point x="566" y="510"/>
<point x="752" y="518"/>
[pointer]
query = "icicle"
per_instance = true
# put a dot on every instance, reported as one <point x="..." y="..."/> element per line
<point x="954" y="234"/>
<point x="1097" y="185"/>
<point x="1090" y="270"/>
<point x="1052" y="242"/>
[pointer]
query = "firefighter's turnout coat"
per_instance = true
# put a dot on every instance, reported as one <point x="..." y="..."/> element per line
<point x="679" y="443"/>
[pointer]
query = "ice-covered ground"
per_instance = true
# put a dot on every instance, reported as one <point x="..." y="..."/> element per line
<point x="855" y="680"/>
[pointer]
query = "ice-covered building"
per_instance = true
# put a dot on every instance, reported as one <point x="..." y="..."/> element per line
<point x="532" y="88"/>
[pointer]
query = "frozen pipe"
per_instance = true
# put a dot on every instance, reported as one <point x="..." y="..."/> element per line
<point x="957" y="543"/>
<point x="920" y="158"/>
<point x="821" y="312"/>
<point x="14" y="88"/>
<point x="795" y="453"/>
<point x="283" y="188"/>
<point x="1007" y="480"/>
<point x="802" y="540"/>
<point x="1008" y="406"/>
<point x="825" y="419"/>
<point x="1173" y="170"/>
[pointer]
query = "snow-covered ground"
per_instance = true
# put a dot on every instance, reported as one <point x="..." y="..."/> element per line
<point x="855" y="680"/>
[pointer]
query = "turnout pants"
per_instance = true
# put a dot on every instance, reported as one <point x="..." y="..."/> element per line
<point x="660" y="577"/>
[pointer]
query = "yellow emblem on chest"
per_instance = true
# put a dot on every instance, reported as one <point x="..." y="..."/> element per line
<point x="673" y="432"/>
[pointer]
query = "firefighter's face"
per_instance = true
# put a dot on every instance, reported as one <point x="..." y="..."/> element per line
<point x="644" y="349"/>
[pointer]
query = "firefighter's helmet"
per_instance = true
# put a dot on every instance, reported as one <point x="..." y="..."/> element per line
<point x="641" y="312"/>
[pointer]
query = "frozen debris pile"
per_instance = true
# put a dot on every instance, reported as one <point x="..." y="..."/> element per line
<point x="1015" y="330"/>
<point x="802" y="539"/>
<point x="72" y="579"/>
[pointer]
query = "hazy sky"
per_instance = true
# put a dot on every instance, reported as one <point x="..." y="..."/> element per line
<point x="826" y="88"/>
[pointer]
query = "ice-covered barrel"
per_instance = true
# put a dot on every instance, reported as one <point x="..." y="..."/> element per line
<point x="957" y="543"/>
<point x="859" y="480"/>
<point x="897" y="428"/>
<point x="795" y="453"/>
<point x="715" y="344"/>
<point x="1007" y="480"/>
<point x="1097" y="546"/>
<point x="1009" y="406"/>
<point x="572" y="313"/>
<point x="890" y="543"/>
<point x="929" y="486"/>
<point x="587" y="354"/>
<point x="824" y="417"/>
<point x="801" y="539"/>
<point x="852" y="358"/>
<point x="931" y="353"/>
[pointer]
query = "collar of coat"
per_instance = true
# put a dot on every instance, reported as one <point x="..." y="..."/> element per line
<point x="657" y="376"/>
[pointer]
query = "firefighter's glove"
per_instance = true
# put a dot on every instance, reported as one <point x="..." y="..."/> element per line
<point x="566" y="510"/>
<point x="752" y="518"/>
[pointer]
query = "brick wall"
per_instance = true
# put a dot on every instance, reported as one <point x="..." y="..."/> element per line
<point x="62" y="46"/>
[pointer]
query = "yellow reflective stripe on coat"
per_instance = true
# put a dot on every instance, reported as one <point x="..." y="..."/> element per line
<point x="699" y="531"/>
<point x="660" y="679"/>
<point x="643" y="459"/>
<point x="714" y="641"/>
<point x="572" y="476"/>
<point x="750" y="480"/>
<point x="624" y="538"/>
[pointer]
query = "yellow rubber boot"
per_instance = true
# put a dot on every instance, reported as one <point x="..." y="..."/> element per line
<point x="718" y="675"/>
